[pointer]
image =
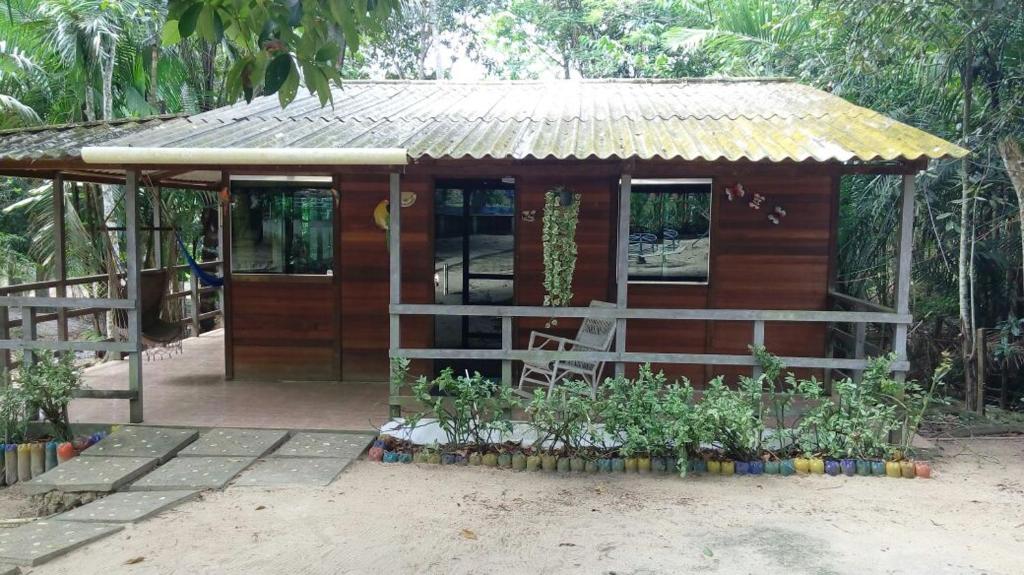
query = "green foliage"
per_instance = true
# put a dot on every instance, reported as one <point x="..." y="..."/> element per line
<point x="559" y="239"/>
<point x="730" y="417"/>
<point x="471" y="410"/>
<point x="48" y="385"/>
<point x="634" y="413"/>
<point x="563" y="418"/>
<point x="13" y="412"/>
<point x="279" y="44"/>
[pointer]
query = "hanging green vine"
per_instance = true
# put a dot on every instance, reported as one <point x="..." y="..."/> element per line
<point x="559" y="238"/>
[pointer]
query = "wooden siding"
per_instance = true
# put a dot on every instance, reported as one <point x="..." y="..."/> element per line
<point x="284" y="328"/>
<point x="754" y="265"/>
<point x="364" y="274"/>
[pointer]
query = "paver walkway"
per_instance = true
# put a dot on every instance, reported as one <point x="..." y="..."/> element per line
<point x="161" y="469"/>
<point x="41" y="541"/>
<point x="127" y="507"/>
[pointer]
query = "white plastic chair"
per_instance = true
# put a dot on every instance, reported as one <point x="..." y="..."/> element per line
<point x="595" y="334"/>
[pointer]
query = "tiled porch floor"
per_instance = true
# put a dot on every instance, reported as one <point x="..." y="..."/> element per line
<point x="189" y="389"/>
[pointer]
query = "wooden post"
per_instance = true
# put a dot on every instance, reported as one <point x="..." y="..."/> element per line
<point x="980" y="354"/>
<point x="193" y="286"/>
<point x="395" y="282"/>
<point x="622" y="267"/>
<point x="758" y="342"/>
<point x="5" y="354"/>
<point x="28" y="333"/>
<point x="506" y="346"/>
<point x="221" y="270"/>
<point x="860" y="333"/>
<point x="905" y="258"/>
<point x="60" y="254"/>
<point x="158" y="244"/>
<point x="132" y="279"/>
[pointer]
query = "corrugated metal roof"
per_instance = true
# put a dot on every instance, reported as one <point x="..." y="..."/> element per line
<point x="699" y="119"/>
<point x="67" y="140"/>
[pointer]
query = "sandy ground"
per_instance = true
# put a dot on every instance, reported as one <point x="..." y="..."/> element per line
<point x="422" y="519"/>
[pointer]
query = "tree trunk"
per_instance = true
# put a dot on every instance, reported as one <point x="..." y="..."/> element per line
<point x="90" y="101"/>
<point x="108" y="82"/>
<point x="1010" y="150"/>
<point x="966" y="242"/>
<point x="154" y="61"/>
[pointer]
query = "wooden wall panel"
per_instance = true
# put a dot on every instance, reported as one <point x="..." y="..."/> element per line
<point x="760" y="265"/>
<point x="668" y="336"/>
<point x="364" y="273"/>
<point x="284" y="328"/>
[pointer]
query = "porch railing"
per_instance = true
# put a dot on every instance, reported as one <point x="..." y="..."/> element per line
<point x="759" y="318"/>
<point x="70" y="307"/>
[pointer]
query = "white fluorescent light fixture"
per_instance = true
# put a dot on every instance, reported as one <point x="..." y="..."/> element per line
<point x="245" y="156"/>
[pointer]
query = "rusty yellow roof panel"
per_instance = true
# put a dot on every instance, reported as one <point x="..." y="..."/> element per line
<point x="695" y="119"/>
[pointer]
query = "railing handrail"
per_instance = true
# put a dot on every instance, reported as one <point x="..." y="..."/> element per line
<point x="46" y="284"/>
<point x="813" y="316"/>
<point x="858" y="303"/>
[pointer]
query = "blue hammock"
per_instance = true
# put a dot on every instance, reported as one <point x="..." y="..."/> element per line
<point x="204" y="278"/>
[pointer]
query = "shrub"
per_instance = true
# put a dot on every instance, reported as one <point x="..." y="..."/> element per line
<point x="469" y="409"/>
<point x="48" y="385"/>
<point x="730" y="419"/>
<point x="565" y="417"/>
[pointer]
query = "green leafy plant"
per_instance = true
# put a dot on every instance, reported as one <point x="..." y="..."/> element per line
<point x="731" y="419"/>
<point x="13" y="422"/>
<point x="559" y="240"/>
<point x="48" y="385"/>
<point x="684" y="427"/>
<point x="911" y="400"/>
<point x="471" y="410"/>
<point x="633" y="413"/>
<point x="563" y="417"/>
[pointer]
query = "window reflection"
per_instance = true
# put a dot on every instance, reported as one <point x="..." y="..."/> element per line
<point x="669" y="231"/>
<point x="281" y="228"/>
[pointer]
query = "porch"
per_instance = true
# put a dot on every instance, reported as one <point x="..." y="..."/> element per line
<point x="190" y="389"/>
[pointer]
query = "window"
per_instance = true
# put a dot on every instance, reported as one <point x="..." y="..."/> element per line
<point x="669" y="230"/>
<point x="282" y="228"/>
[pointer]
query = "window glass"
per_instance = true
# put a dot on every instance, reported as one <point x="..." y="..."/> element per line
<point x="669" y="231"/>
<point x="281" y="228"/>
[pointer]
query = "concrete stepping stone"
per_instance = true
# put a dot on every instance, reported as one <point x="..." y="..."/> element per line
<point x="226" y="442"/>
<point x="41" y="541"/>
<point x="9" y="570"/>
<point x="141" y="441"/>
<point x="334" y="445"/>
<point x="127" y="506"/>
<point x="304" y="471"/>
<point x="193" y="473"/>
<point x="85" y="473"/>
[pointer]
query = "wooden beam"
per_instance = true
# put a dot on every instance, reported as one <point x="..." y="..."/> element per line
<point x="395" y="267"/>
<point x="28" y="301"/>
<point x="758" y="343"/>
<point x="905" y="251"/>
<point x="158" y="244"/>
<point x="746" y="315"/>
<point x="622" y="266"/>
<point x="105" y="394"/>
<point x="5" y="354"/>
<point x="633" y="357"/>
<point x="132" y="277"/>
<point x="60" y="254"/>
<point x="224" y="255"/>
<point x="73" y="345"/>
<point x="506" y="345"/>
<point x="28" y="335"/>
